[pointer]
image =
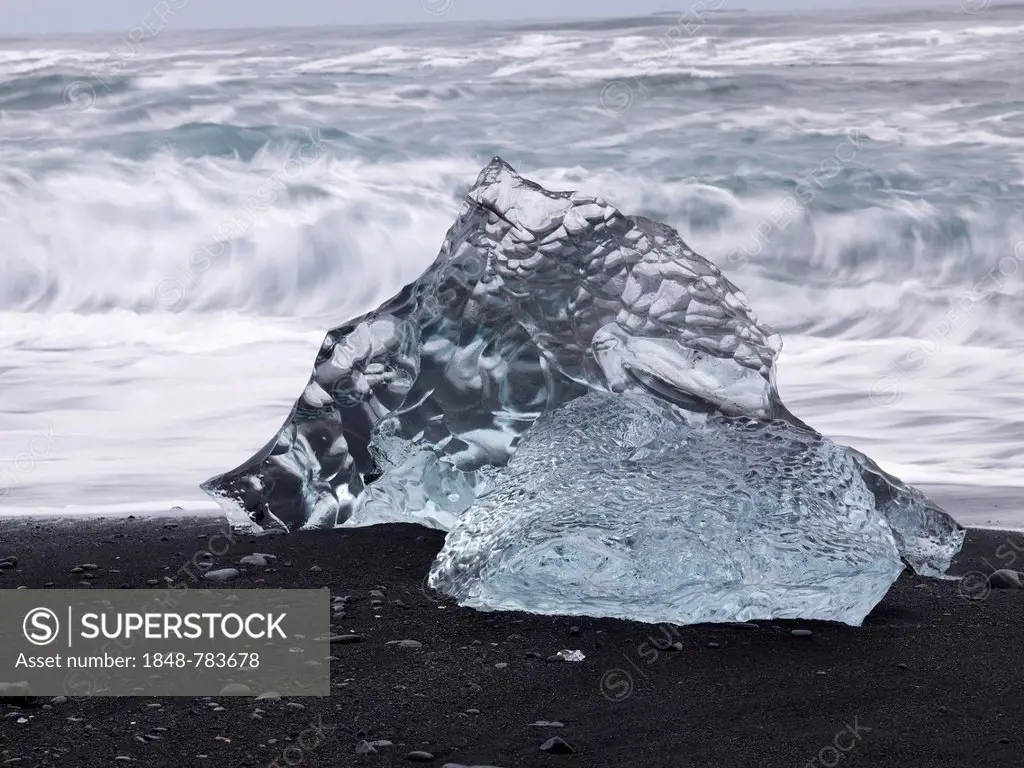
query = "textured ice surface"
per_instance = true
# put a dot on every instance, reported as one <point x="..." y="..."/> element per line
<point x="614" y="506"/>
<point x="536" y="299"/>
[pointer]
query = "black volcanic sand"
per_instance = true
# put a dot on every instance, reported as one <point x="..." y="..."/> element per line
<point x="933" y="678"/>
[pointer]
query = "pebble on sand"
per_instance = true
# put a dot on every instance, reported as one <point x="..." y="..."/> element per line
<point x="1005" y="578"/>
<point x="411" y="644"/>
<point x="557" y="746"/>
<point x="222" y="574"/>
<point x="419" y="756"/>
<point x="570" y="655"/>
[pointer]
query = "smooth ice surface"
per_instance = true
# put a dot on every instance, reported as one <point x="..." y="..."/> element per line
<point x="536" y="299"/>
<point x="614" y="506"/>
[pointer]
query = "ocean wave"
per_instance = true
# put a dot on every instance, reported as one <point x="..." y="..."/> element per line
<point x="275" y="235"/>
<point x="41" y="92"/>
<point x="217" y="140"/>
<point x="278" y="236"/>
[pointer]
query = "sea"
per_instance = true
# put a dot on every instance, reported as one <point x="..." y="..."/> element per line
<point x="183" y="215"/>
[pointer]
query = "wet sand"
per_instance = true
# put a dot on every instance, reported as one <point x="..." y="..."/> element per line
<point x="932" y="679"/>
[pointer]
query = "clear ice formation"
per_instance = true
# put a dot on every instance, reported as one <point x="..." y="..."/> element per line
<point x="589" y="408"/>
<point x="726" y="518"/>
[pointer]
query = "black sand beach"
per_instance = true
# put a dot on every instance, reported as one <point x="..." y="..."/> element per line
<point x="933" y="679"/>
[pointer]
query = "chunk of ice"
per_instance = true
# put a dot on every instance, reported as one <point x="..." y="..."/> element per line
<point x="538" y="299"/>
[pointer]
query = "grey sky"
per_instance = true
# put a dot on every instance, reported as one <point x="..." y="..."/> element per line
<point x="54" y="16"/>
